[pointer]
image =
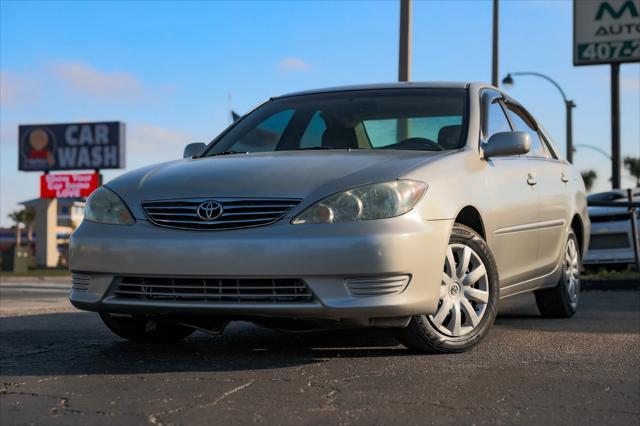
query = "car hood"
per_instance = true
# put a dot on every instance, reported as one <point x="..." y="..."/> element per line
<point x="308" y="175"/>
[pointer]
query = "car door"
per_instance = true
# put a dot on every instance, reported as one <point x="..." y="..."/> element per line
<point x="512" y="200"/>
<point x="553" y="189"/>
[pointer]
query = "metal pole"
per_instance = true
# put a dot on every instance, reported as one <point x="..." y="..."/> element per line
<point x="615" y="125"/>
<point x="494" y="59"/>
<point x="633" y="214"/>
<point x="404" y="61"/>
<point x="570" y="106"/>
<point x="404" y="64"/>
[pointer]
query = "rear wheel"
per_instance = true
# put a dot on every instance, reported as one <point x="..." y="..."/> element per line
<point x="562" y="300"/>
<point x="468" y="299"/>
<point x="145" y="329"/>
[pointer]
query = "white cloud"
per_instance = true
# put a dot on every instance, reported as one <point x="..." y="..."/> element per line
<point x="17" y="90"/>
<point x="147" y="144"/>
<point x="88" y="80"/>
<point x="294" y="64"/>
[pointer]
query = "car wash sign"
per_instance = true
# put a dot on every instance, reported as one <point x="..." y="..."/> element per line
<point x="606" y="31"/>
<point x="73" y="146"/>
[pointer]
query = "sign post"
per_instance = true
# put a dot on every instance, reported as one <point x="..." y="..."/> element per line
<point x="608" y="32"/>
<point x="72" y="146"/>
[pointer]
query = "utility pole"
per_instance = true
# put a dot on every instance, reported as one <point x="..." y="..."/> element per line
<point x="404" y="61"/>
<point x="615" y="125"/>
<point x="570" y="105"/>
<point x="494" y="58"/>
<point x="404" y="64"/>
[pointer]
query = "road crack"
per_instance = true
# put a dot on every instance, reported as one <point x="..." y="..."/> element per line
<point x="154" y="418"/>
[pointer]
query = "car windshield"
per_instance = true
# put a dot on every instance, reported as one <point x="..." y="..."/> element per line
<point x="405" y="119"/>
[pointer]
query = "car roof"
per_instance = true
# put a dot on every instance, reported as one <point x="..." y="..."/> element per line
<point x="383" y="86"/>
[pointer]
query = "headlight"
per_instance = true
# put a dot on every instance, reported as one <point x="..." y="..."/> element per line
<point x="377" y="201"/>
<point x="104" y="206"/>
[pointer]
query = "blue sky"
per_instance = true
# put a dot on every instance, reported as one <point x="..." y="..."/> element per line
<point x="167" y="68"/>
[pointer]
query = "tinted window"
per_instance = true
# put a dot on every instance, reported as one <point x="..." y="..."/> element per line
<point x="443" y="130"/>
<point x="496" y="121"/>
<point x="312" y="136"/>
<point x="266" y="135"/>
<point x="414" y="119"/>
<point x="522" y="124"/>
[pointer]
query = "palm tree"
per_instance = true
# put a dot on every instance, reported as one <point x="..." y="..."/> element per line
<point x="633" y="165"/>
<point x="18" y="217"/>
<point x="589" y="177"/>
<point x="29" y="218"/>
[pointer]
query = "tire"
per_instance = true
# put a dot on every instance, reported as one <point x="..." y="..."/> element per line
<point x="145" y="329"/>
<point x="440" y="332"/>
<point x="562" y="300"/>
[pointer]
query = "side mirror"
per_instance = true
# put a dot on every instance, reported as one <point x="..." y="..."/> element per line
<point x="193" y="149"/>
<point x="504" y="144"/>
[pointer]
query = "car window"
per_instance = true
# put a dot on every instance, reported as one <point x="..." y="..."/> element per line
<point x="496" y="121"/>
<point x="312" y="136"/>
<point x="416" y="119"/>
<point x="265" y="136"/>
<point x="522" y="124"/>
<point x="444" y="131"/>
<point x="546" y="139"/>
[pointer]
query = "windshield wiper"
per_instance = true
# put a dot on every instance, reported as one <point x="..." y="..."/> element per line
<point x="322" y="147"/>
<point x="228" y="153"/>
<point x="314" y="147"/>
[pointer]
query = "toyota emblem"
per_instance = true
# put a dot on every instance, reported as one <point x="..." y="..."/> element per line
<point x="209" y="210"/>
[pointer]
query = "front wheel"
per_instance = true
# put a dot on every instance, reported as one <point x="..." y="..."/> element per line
<point x="145" y="329"/>
<point x="468" y="300"/>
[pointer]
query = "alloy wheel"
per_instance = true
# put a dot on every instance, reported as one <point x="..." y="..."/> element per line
<point x="464" y="292"/>
<point x="572" y="271"/>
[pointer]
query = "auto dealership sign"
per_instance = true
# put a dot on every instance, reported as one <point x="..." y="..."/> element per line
<point x="73" y="146"/>
<point x="606" y="31"/>
<point x="78" y="185"/>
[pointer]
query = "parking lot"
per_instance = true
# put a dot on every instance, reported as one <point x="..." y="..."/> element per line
<point x="66" y="368"/>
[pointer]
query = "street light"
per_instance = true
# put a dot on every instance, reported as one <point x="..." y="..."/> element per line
<point x="569" y="105"/>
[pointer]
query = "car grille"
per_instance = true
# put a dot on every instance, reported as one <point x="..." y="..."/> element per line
<point x="235" y="213"/>
<point x="246" y="290"/>
<point x="80" y="282"/>
<point x="377" y="286"/>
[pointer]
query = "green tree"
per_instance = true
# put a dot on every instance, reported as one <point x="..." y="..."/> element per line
<point x="589" y="177"/>
<point x="18" y="217"/>
<point x="29" y="217"/>
<point x="633" y="165"/>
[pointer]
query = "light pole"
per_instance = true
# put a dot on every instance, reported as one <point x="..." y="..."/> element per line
<point x="404" y="60"/>
<point x="495" y="44"/>
<point x="569" y="105"/>
<point x="404" y="57"/>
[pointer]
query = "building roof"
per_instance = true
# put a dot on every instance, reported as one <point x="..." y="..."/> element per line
<point x="63" y="201"/>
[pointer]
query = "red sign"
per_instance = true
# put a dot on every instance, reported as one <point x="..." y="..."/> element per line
<point x="78" y="185"/>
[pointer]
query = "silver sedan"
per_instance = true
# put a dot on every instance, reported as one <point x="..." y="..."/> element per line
<point x="415" y="207"/>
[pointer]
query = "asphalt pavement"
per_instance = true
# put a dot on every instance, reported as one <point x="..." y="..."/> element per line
<point x="65" y="368"/>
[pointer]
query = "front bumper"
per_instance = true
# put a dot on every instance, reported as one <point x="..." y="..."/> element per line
<point x="323" y="256"/>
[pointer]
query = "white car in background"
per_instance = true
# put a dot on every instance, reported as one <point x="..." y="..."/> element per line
<point x="611" y="234"/>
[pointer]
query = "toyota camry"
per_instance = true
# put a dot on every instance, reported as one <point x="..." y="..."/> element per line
<point x="409" y="206"/>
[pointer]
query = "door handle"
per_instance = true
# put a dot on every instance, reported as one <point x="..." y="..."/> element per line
<point x="531" y="179"/>
<point x="564" y="178"/>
